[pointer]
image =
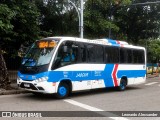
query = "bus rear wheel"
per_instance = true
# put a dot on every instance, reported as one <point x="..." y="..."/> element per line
<point x="63" y="91"/>
<point x="122" y="85"/>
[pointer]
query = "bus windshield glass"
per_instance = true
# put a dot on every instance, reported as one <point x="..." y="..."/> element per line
<point x="40" y="53"/>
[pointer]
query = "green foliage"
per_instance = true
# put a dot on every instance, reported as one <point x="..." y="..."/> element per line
<point x="153" y="48"/>
<point x="138" y="22"/>
<point x="23" y="21"/>
<point x="19" y="24"/>
<point x="26" y="21"/>
<point x="98" y="16"/>
<point x="58" y="18"/>
<point x="6" y="14"/>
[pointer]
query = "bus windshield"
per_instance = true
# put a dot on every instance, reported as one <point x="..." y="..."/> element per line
<point x="40" y="53"/>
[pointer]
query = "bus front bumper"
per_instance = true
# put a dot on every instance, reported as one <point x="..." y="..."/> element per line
<point x="41" y="87"/>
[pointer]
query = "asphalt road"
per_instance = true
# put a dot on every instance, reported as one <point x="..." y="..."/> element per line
<point x="144" y="97"/>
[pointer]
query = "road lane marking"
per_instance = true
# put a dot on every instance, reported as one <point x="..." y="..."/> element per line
<point x="90" y="108"/>
<point x="151" y="83"/>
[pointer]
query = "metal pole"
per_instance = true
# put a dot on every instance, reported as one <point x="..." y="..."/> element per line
<point x="77" y="12"/>
<point x="81" y="32"/>
<point x="109" y="32"/>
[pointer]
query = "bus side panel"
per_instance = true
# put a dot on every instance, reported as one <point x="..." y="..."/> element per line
<point x="81" y="85"/>
<point x="135" y="73"/>
<point x="88" y="76"/>
<point x="98" y="83"/>
<point x="139" y="80"/>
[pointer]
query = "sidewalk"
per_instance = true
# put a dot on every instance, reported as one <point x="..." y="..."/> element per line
<point x="14" y="90"/>
<point x="153" y="75"/>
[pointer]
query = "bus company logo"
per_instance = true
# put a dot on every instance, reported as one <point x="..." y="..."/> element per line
<point x="82" y="75"/>
<point x="26" y="76"/>
<point x="6" y="114"/>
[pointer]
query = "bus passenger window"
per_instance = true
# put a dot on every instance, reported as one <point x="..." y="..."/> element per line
<point x="111" y="54"/>
<point x="138" y="56"/>
<point x="67" y="54"/>
<point x="81" y="52"/>
<point x="99" y="53"/>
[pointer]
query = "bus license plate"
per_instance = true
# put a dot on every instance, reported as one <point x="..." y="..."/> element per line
<point x="26" y="85"/>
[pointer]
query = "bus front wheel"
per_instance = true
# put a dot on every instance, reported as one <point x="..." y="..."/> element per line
<point x="63" y="91"/>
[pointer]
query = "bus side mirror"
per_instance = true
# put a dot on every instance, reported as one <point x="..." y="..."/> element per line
<point x="65" y="49"/>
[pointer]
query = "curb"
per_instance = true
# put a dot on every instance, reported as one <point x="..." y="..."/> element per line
<point x="152" y="76"/>
<point x="9" y="92"/>
<point x="15" y="90"/>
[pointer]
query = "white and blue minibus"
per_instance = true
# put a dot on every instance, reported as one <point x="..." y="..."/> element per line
<point x="62" y="65"/>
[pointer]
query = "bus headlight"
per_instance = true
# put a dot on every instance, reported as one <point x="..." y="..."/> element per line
<point x="42" y="79"/>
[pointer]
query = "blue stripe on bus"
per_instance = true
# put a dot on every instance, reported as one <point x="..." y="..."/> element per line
<point x="113" y="42"/>
<point x="32" y="77"/>
<point x="131" y="73"/>
<point x="106" y="75"/>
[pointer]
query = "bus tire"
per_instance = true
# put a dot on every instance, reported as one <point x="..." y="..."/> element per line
<point x="63" y="91"/>
<point x="123" y="84"/>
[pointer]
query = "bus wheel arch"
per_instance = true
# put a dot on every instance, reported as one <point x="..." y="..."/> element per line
<point x="123" y="83"/>
<point x="64" y="89"/>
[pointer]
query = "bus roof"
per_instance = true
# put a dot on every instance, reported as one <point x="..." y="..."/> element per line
<point x="104" y="41"/>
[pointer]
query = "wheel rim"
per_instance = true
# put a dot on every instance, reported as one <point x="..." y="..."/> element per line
<point x="123" y="84"/>
<point x="62" y="91"/>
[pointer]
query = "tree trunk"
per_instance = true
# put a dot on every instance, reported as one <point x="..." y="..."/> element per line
<point x="152" y="68"/>
<point x="4" y="77"/>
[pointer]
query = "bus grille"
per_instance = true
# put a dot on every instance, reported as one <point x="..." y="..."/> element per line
<point x="31" y="86"/>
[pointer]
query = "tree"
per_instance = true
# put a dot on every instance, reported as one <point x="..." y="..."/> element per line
<point x="5" y="28"/>
<point x="138" y="22"/>
<point x="154" y="51"/>
<point x="25" y="25"/>
<point x="18" y="25"/>
<point x="58" y="18"/>
<point x="98" y="17"/>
